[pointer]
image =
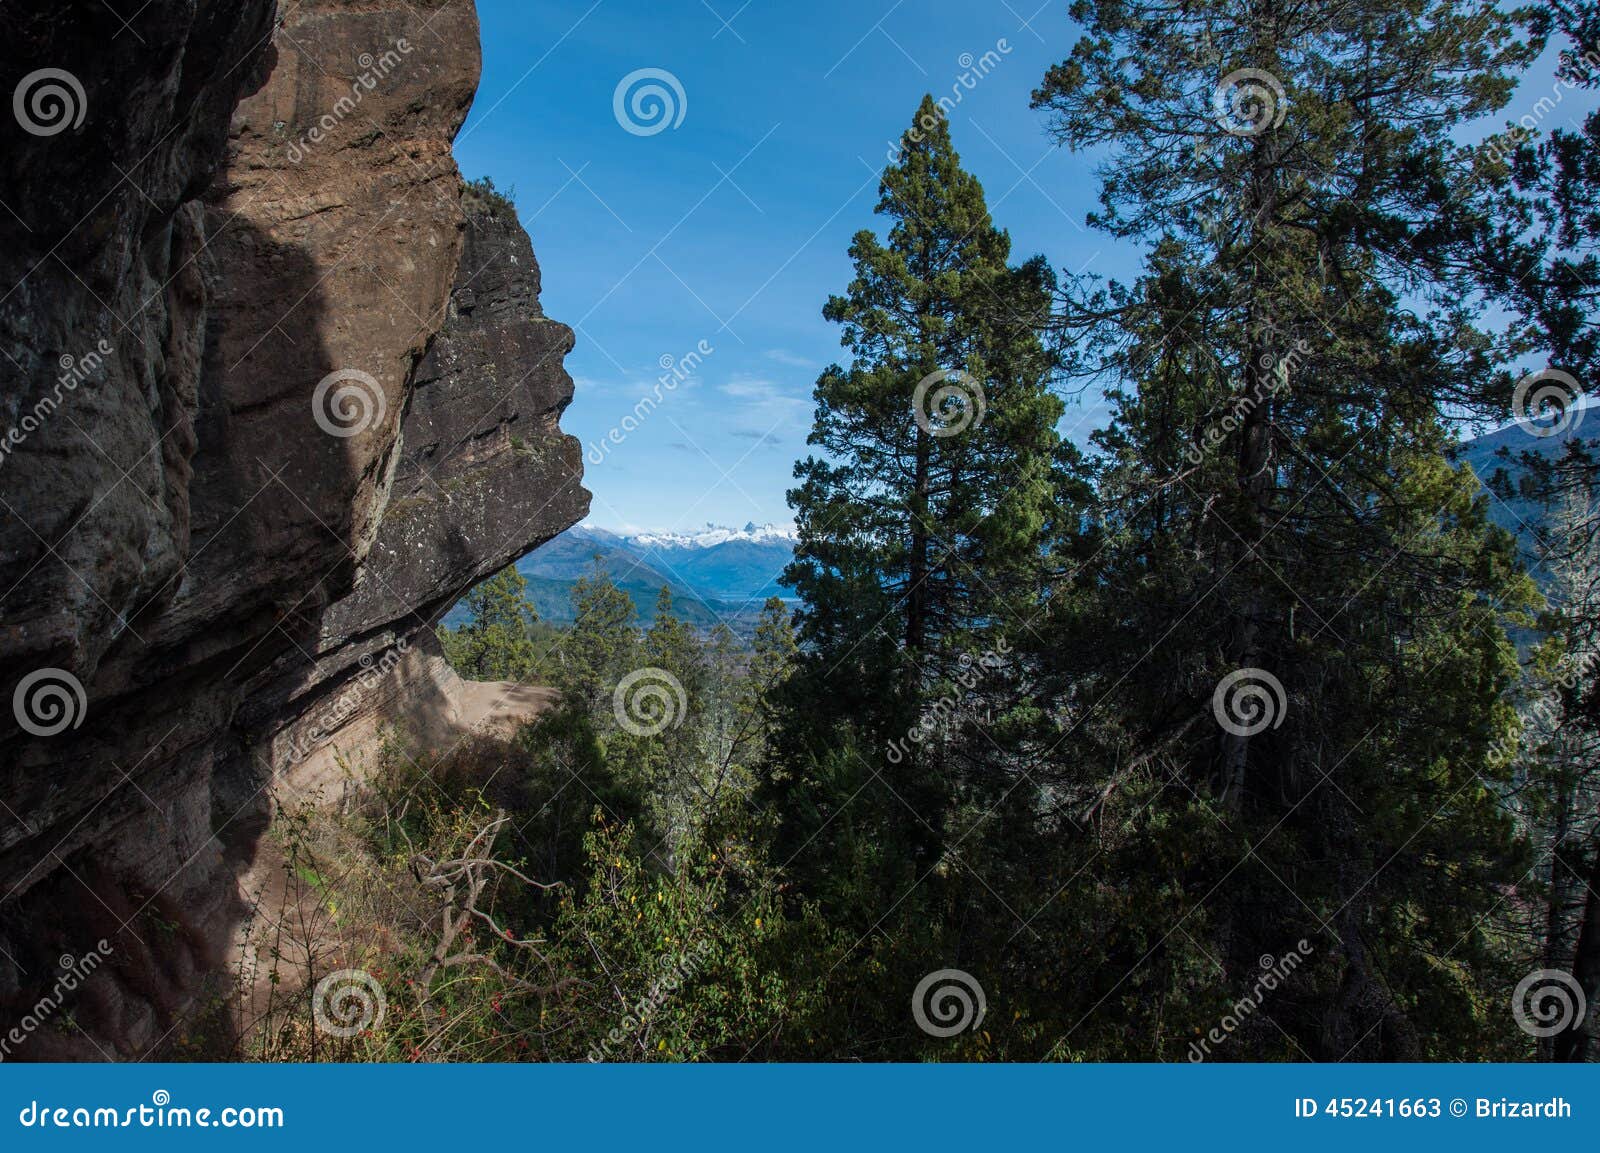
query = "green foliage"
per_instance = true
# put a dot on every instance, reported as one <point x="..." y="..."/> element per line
<point x="601" y="647"/>
<point x="501" y="641"/>
<point x="695" y="957"/>
<point x="1273" y="496"/>
<point x="483" y="193"/>
<point x="584" y="942"/>
<point x="994" y="737"/>
<point x="923" y="521"/>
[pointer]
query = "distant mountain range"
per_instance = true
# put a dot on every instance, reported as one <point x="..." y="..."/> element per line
<point x="1497" y="459"/>
<point x="717" y="574"/>
<point x="722" y="574"/>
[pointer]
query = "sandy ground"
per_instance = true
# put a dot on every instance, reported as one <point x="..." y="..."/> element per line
<point x="486" y="706"/>
<point x="286" y="909"/>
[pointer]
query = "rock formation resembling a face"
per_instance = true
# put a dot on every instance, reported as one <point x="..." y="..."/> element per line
<point x="194" y="532"/>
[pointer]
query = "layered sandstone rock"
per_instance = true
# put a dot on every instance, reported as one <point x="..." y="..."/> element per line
<point x="484" y="471"/>
<point x="280" y="472"/>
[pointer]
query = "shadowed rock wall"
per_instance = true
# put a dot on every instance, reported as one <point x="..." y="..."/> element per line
<point x="311" y="399"/>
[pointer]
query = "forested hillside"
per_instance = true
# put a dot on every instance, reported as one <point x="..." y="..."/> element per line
<point x="1259" y="726"/>
<point x="1255" y="722"/>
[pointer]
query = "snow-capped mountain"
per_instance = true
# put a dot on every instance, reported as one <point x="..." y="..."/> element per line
<point x="716" y="574"/>
<point x="732" y="564"/>
<point x="714" y="535"/>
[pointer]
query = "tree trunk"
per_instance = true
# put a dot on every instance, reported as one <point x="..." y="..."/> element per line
<point x="1255" y="481"/>
<point x="916" y="635"/>
<point x="1574" y="1043"/>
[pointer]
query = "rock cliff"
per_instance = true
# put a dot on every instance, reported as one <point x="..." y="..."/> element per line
<point x="276" y="393"/>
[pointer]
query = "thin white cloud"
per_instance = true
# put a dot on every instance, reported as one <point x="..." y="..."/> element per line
<point x="766" y="403"/>
<point x="758" y="388"/>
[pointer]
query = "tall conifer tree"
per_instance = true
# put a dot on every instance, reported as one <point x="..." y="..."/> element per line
<point x="1277" y="510"/>
<point x="922" y="518"/>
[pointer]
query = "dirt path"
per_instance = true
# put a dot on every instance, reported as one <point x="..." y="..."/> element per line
<point x="282" y="905"/>
<point x="486" y="706"/>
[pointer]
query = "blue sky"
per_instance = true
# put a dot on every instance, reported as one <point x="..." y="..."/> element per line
<point x="731" y="228"/>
